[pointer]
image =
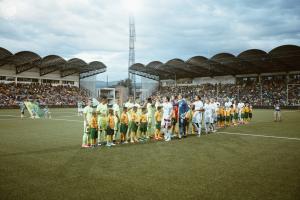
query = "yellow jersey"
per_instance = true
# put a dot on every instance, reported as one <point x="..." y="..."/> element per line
<point x="94" y="122"/>
<point x="247" y="109"/>
<point x="143" y="118"/>
<point x="158" y="116"/>
<point x="242" y="110"/>
<point x="134" y="117"/>
<point x="111" y="121"/>
<point x="124" y="118"/>
<point x="221" y="111"/>
<point x="227" y="112"/>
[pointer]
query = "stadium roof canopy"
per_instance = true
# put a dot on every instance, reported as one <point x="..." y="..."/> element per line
<point x="25" y="60"/>
<point x="284" y="58"/>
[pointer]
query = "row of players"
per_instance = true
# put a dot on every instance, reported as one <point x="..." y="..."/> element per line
<point x="137" y="123"/>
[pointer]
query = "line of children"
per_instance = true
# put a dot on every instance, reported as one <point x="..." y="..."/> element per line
<point x="106" y="122"/>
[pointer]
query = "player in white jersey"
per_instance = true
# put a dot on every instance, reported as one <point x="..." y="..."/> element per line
<point x="197" y="115"/>
<point x="117" y="114"/>
<point x="167" y="114"/>
<point x="157" y="102"/>
<point x="214" y="108"/>
<point x="228" y="103"/>
<point x="240" y="107"/>
<point x="80" y="108"/>
<point x="87" y="116"/>
<point x="207" y="115"/>
<point x="150" y="118"/>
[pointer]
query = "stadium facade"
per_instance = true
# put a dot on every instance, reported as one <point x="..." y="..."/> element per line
<point x="221" y="68"/>
<point x="29" y="67"/>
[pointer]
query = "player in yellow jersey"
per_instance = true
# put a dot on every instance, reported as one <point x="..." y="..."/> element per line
<point x="227" y="116"/>
<point x="222" y="116"/>
<point x="124" y="125"/>
<point x="242" y="115"/>
<point x="134" y="125"/>
<point x="158" y="118"/>
<point x="93" y="129"/>
<point x="110" y="128"/>
<point x="247" y="109"/>
<point x="143" y="124"/>
<point x="250" y="112"/>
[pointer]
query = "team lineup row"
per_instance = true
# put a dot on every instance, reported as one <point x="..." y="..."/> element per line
<point x="176" y="118"/>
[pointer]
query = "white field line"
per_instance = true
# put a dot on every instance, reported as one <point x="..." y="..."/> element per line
<point x="9" y="115"/>
<point x="70" y="116"/>
<point x="68" y="120"/>
<point x="254" y="135"/>
<point x="74" y="113"/>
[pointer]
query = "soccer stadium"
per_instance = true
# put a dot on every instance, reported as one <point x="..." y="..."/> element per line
<point x="179" y="121"/>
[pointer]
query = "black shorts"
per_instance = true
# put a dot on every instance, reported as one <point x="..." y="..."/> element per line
<point x="109" y="131"/>
<point x="143" y="126"/>
<point x="250" y="115"/>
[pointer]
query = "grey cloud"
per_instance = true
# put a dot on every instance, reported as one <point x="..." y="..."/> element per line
<point x="165" y="29"/>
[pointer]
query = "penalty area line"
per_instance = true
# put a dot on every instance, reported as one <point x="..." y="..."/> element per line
<point x="265" y="136"/>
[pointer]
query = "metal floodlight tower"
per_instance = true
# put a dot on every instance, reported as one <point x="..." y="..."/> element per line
<point x="131" y="60"/>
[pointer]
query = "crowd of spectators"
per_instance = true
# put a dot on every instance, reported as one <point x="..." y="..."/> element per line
<point x="258" y="93"/>
<point x="263" y="93"/>
<point x="45" y="94"/>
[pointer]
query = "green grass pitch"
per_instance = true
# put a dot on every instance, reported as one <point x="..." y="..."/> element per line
<point x="42" y="159"/>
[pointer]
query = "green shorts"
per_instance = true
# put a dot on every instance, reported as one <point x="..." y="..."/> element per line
<point x="123" y="128"/>
<point x="236" y="116"/>
<point x="133" y="126"/>
<point x="231" y="117"/>
<point x="158" y="125"/>
<point x="227" y="118"/>
<point x="143" y="126"/>
<point x="93" y="133"/>
<point x="246" y="115"/>
<point x="242" y="115"/>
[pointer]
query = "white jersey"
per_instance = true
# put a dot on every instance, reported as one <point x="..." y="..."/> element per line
<point x="129" y="105"/>
<point x="228" y="104"/>
<point x="207" y="113"/>
<point x="214" y="107"/>
<point x="240" y="105"/>
<point x="198" y="105"/>
<point x="116" y="109"/>
<point x="197" y="117"/>
<point x="167" y="110"/>
<point x="208" y="109"/>
<point x="157" y="104"/>
<point x="137" y="105"/>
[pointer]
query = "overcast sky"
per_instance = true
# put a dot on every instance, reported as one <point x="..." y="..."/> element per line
<point x="165" y="29"/>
